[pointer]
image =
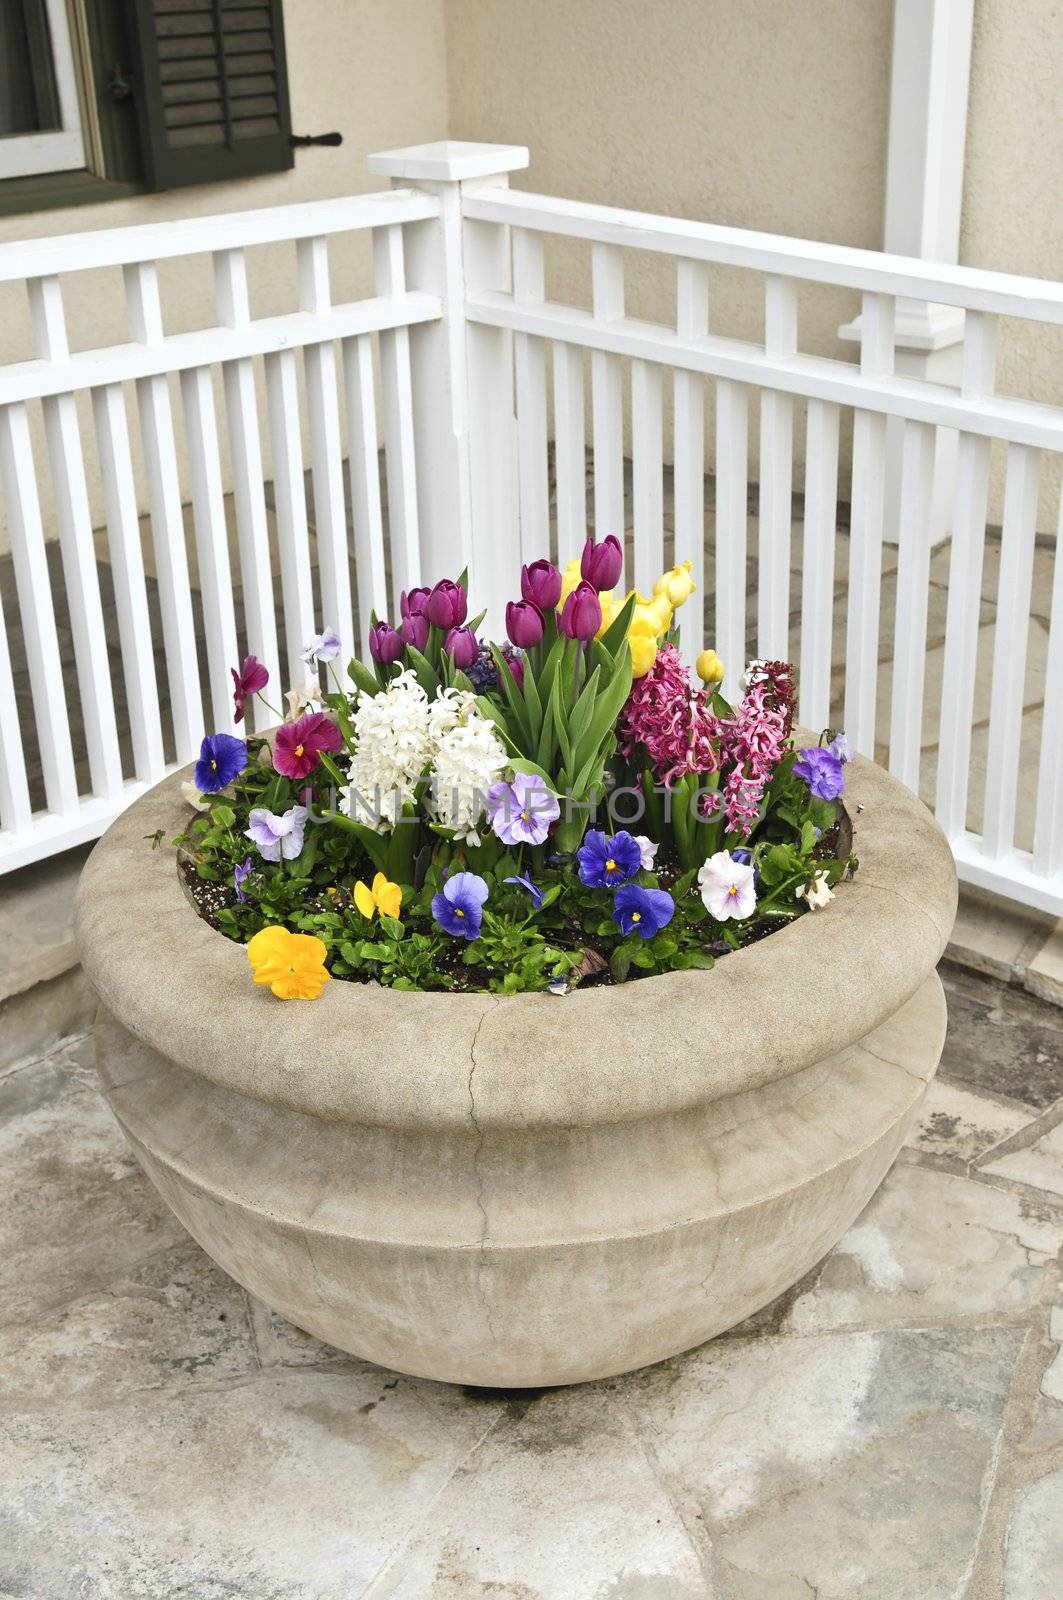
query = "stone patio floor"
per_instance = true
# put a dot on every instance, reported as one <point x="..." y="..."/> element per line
<point x="891" y="1429"/>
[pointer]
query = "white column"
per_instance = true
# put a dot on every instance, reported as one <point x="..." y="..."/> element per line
<point x="462" y="375"/>
<point x="930" y="76"/>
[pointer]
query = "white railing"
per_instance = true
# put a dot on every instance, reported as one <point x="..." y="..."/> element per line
<point x="468" y="341"/>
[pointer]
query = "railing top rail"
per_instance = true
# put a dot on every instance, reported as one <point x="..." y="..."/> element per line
<point x="974" y="289"/>
<point x="156" y="241"/>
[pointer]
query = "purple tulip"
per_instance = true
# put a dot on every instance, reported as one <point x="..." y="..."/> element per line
<point x="582" y="616"/>
<point x="540" y="585"/>
<point x="462" y="647"/>
<point x="602" y="563"/>
<point x="524" y="623"/>
<point x="516" y="666"/>
<point x="446" y="606"/>
<point x="412" y="604"/>
<point x="414" y="630"/>
<point x="385" y="645"/>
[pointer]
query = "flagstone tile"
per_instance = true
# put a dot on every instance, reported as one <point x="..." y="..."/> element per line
<point x="1039" y="1165"/>
<point x="1002" y="1041"/>
<point x="294" y="1485"/>
<point x="74" y="1207"/>
<point x="172" y="1321"/>
<point x="931" y="1245"/>
<point x="1034" y="1562"/>
<point x="835" y="1466"/>
<point x="955" y="1123"/>
<point x="558" y="1503"/>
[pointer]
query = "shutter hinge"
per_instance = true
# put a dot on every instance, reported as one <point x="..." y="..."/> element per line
<point x="301" y="140"/>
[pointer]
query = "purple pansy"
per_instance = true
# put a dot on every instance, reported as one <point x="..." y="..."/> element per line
<point x="534" y="892"/>
<point x="603" y="863"/>
<point x="840" y="747"/>
<point x="240" y="874"/>
<point x="458" y="908"/>
<point x="822" y="771"/>
<point x="521" y="812"/>
<point x="248" y="680"/>
<point x="642" y="911"/>
<point x="277" y="836"/>
<point x="221" y="757"/>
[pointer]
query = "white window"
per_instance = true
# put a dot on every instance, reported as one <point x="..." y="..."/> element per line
<point x="40" y="120"/>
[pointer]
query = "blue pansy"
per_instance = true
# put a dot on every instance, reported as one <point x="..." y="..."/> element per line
<point x="642" y="911"/>
<point x="458" y="908"/>
<point x="221" y="757"/>
<point x="604" y="863"/>
<point x="533" y="889"/>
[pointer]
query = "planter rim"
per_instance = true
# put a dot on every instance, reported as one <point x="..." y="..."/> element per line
<point x="416" y="1061"/>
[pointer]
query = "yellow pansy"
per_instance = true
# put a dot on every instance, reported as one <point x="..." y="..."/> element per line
<point x="642" y="640"/>
<point x="709" y="667"/>
<point x="569" y="580"/>
<point x="381" y="895"/>
<point x="292" y="965"/>
<point x="676" y="585"/>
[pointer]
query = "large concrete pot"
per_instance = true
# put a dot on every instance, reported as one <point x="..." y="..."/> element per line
<point x="525" y="1190"/>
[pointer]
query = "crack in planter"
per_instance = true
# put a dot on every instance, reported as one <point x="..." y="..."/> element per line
<point x="481" y="1135"/>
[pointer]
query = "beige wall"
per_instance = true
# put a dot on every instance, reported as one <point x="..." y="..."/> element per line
<point x="760" y="113"/>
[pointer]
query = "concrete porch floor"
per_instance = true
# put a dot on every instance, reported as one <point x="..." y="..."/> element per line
<point x="891" y="1429"/>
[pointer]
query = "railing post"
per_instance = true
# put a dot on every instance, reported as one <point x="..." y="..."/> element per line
<point x="461" y="375"/>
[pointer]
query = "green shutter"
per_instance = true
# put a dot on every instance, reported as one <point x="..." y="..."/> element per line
<point x="211" y="89"/>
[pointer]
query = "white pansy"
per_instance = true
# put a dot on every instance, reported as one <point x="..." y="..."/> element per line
<point x="817" y="893"/>
<point x="727" y="887"/>
<point x="647" y="851"/>
<point x="304" y="697"/>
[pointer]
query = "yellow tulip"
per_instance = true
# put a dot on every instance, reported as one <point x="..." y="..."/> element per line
<point x="381" y="896"/>
<point x="676" y="585"/>
<point x="709" y="667"/>
<point x="610" y="611"/>
<point x="655" y="613"/>
<point x="642" y="641"/>
<point x="569" y="580"/>
<point x="291" y="964"/>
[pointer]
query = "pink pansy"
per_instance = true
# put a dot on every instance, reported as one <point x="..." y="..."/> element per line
<point x="298" y="745"/>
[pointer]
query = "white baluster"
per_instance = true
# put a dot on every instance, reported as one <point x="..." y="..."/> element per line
<point x="607" y="287"/>
<point x="776" y="476"/>
<point x="530" y="367"/>
<point x="688" y="470"/>
<point x="818" y="552"/>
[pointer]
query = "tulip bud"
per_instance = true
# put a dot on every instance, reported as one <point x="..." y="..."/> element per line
<point x="709" y="667"/>
<point x="385" y="644"/>
<point x="516" y="666"/>
<point x="413" y="603"/>
<point x="414" y="630"/>
<point x="642" y="641"/>
<point x="461" y="646"/>
<point x="540" y="585"/>
<point x="602" y="563"/>
<point x="524" y="623"/>
<point x="676" y="585"/>
<point x="446" y="606"/>
<point x="582" y="616"/>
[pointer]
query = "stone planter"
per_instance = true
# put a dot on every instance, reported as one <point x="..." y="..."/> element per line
<point x="526" y="1190"/>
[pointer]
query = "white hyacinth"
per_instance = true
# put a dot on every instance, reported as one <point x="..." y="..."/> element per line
<point x="402" y="737"/>
<point x="393" y="749"/>
<point x="467" y="759"/>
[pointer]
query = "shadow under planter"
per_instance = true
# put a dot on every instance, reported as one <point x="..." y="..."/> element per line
<point x="522" y="1191"/>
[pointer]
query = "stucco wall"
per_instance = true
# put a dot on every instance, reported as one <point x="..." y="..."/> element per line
<point x="374" y="71"/>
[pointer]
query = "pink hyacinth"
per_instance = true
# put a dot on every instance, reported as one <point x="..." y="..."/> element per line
<point x="671" y="721"/>
<point x="752" y="745"/>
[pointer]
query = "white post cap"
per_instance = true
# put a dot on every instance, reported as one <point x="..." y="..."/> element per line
<point x="448" y="159"/>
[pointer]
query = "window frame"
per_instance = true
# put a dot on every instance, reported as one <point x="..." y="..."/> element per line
<point x="51" y="150"/>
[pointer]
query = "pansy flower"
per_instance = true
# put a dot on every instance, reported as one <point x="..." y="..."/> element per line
<point x="822" y="771"/>
<point x="728" y="887"/>
<point x="221" y="758"/>
<point x="535" y="894"/>
<point x="325" y="646"/>
<point x="298" y="745"/>
<point x="521" y="812"/>
<point x="380" y="895"/>
<point x="642" y="911"/>
<point x="277" y="836"/>
<point x="248" y="680"/>
<point x="604" y="863"/>
<point x="291" y="965"/>
<point x="458" y="908"/>
<point x="241" y="873"/>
